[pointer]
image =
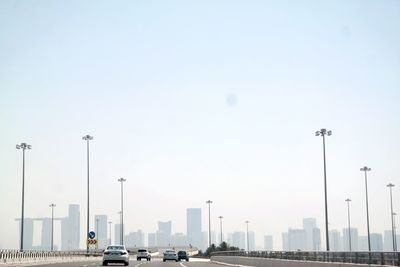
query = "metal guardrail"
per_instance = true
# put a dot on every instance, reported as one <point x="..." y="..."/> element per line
<point x="358" y="257"/>
<point x="16" y="255"/>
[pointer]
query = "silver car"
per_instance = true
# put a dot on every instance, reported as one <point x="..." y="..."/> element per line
<point x="170" y="255"/>
<point x="116" y="254"/>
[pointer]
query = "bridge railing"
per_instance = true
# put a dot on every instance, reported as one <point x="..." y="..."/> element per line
<point x="358" y="257"/>
<point x="16" y="255"/>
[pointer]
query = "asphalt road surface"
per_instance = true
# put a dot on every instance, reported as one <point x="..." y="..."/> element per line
<point x="134" y="263"/>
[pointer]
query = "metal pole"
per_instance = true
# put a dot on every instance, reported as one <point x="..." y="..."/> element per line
<point x="220" y="224"/>
<point x="392" y="217"/>
<point x="122" y="180"/>
<point x="52" y="226"/>
<point x="326" y="197"/>
<point x="23" y="146"/>
<point x="97" y="227"/>
<point x="365" y="169"/>
<point x="348" y="217"/>
<point x="87" y="138"/>
<point x="395" y="235"/>
<point x="209" y="222"/>
<point x="23" y="200"/>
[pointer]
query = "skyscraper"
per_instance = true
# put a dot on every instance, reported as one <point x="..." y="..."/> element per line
<point x="193" y="226"/>
<point x="297" y="239"/>
<point x="376" y="242"/>
<point x="252" y="241"/>
<point x="308" y="225"/>
<point x="164" y="233"/>
<point x="335" y="240"/>
<point x="100" y="222"/>
<point x="354" y="239"/>
<point x="70" y="229"/>
<point x="239" y="240"/>
<point x="268" y="243"/>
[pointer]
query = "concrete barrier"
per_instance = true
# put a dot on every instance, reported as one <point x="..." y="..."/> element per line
<point x="263" y="262"/>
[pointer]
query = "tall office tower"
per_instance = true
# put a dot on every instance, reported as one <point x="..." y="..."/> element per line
<point x="101" y="229"/>
<point x="354" y="239"/>
<point x="252" y="241"/>
<point x="335" y="240"/>
<point x="70" y="229"/>
<point x="45" y="243"/>
<point x="28" y="232"/>
<point x="268" y="243"/>
<point x="239" y="240"/>
<point x="308" y="225"/>
<point x="388" y="240"/>
<point x="316" y="239"/>
<point x="117" y="234"/>
<point x="376" y="242"/>
<point x="193" y="227"/>
<point x="297" y="239"/>
<point x="151" y="240"/>
<point x="285" y="241"/>
<point x="74" y="221"/>
<point x="135" y="239"/>
<point x="164" y="233"/>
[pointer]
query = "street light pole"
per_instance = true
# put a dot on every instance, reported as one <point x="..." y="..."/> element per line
<point x="247" y="234"/>
<point x="391" y="212"/>
<point x="348" y="218"/>
<point x="322" y="133"/>
<point x="220" y="224"/>
<point x="365" y="169"/>
<point x="52" y="225"/>
<point x="122" y="180"/>
<point x="23" y="146"/>
<point x="87" y="138"/>
<point x="395" y="235"/>
<point x="97" y="227"/>
<point x="109" y="223"/>
<point x="209" y="222"/>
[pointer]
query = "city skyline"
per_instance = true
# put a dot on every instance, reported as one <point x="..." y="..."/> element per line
<point x="192" y="102"/>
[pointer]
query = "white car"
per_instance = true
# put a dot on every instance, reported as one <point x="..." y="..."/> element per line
<point x="170" y="255"/>
<point x="116" y="254"/>
<point x="143" y="254"/>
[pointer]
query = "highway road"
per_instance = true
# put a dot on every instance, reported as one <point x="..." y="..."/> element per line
<point x="134" y="263"/>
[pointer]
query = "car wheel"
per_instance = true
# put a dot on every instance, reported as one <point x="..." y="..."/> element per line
<point x="176" y="260"/>
<point x="187" y="259"/>
<point x="163" y="260"/>
<point x="126" y="263"/>
<point x="104" y="263"/>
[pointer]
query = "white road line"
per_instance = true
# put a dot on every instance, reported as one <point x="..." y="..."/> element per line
<point x="139" y="264"/>
<point x="183" y="265"/>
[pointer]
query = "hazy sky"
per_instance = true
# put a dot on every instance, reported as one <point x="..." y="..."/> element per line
<point x="197" y="100"/>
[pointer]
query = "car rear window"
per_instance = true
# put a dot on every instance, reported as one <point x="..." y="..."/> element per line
<point x="115" y="248"/>
<point x="142" y="250"/>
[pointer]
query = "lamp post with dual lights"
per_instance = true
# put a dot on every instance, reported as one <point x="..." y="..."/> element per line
<point x="323" y="132"/>
<point x="23" y="146"/>
<point x="52" y="225"/>
<point x="87" y="138"/>
<point x="365" y="169"/>
<point x="209" y="222"/>
<point x="122" y="180"/>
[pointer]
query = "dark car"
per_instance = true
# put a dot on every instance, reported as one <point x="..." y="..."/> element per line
<point x="182" y="255"/>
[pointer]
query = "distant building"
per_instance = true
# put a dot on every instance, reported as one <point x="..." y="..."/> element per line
<point x="353" y="237"/>
<point x="193" y="227"/>
<point x="388" y="240"/>
<point x="239" y="240"/>
<point x="297" y="239"/>
<point x="151" y="240"/>
<point x="335" y="240"/>
<point x="134" y="239"/>
<point x="252" y="241"/>
<point x="100" y="222"/>
<point x="376" y="242"/>
<point x="164" y="233"/>
<point x="179" y="239"/>
<point x="268" y="243"/>
<point x="308" y="225"/>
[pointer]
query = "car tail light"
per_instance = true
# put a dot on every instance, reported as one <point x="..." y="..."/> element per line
<point x="106" y="253"/>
